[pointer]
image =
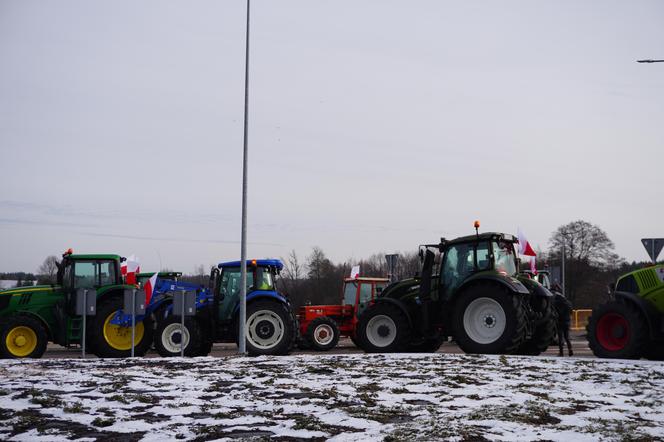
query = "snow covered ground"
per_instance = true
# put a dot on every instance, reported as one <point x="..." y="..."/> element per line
<point x="343" y="397"/>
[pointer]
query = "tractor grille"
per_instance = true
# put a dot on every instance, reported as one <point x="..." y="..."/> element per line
<point x="647" y="279"/>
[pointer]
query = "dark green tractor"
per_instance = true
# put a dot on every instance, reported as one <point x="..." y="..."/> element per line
<point x="469" y="290"/>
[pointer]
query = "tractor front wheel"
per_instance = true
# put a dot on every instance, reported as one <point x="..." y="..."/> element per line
<point x="617" y="330"/>
<point x="110" y="340"/>
<point x="322" y="334"/>
<point x="22" y="337"/>
<point x="269" y="328"/>
<point x="170" y="336"/>
<point x="383" y="328"/>
<point x="489" y="319"/>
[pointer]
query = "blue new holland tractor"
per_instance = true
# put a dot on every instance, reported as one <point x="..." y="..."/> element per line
<point x="270" y="327"/>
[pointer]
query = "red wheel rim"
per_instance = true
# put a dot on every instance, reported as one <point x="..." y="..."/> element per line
<point x="612" y="331"/>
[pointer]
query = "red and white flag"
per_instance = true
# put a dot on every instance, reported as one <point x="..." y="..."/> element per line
<point x="149" y="288"/>
<point x="129" y="268"/>
<point x="524" y="246"/>
<point x="533" y="266"/>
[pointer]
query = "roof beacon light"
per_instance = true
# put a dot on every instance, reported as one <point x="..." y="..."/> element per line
<point x="476" y="224"/>
<point x="253" y="262"/>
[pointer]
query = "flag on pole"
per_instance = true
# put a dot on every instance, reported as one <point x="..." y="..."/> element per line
<point x="149" y="288"/>
<point x="533" y="265"/>
<point x="129" y="268"/>
<point x="355" y="272"/>
<point x="524" y="246"/>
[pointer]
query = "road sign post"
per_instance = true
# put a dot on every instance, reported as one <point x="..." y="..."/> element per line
<point x="653" y="247"/>
<point x="86" y="305"/>
<point x="185" y="307"/>
<point x="134" y="303"/>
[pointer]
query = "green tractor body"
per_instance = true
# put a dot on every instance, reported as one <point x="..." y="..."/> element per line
<point x="469" y="289"/>
<point x="631" y="324"/>
<point x="32" y="316"/>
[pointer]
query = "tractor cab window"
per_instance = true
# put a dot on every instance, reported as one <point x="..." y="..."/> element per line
<point x="230" y="282"/>
<point x="504" y="257"/>
<point x="543" y="279"/>
<point x="365" y="292"/>
<point x="66" y="276"/>
<point x="264" y="278"/>
<point x="460" y="261"/>
<point x="93" y="274"/>
<point x="350" y="292"/>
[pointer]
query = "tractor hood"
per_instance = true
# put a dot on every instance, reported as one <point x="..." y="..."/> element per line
<point x="29" y="289"/>
<point x="402" y="289"/>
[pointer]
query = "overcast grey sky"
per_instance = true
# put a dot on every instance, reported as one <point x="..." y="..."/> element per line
<point x="374" y="125"/>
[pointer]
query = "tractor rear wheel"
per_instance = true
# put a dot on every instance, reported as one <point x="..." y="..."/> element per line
<point x="22" y="337"/>
<point x="322" y="334"/>
<point x="617" y="330"/>
<point x="654" y="351"/>
<point x="383" y="328"/>
<point x="169" y="337"/>
<point x="489" y="319"/>
<point x="543" y="332"/>
<point x="114" y="341"/>
<point x="269" y="328"/>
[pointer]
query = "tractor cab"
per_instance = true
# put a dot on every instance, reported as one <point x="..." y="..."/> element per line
<point x="77" y="271"/>
<point x="467" y="258"/>
<point x="360" y="291"/>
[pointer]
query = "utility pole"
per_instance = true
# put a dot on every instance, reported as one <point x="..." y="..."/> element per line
<point x="243" y="253"/>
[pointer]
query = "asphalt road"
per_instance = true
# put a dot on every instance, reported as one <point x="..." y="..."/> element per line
<point x="579" y="347"/>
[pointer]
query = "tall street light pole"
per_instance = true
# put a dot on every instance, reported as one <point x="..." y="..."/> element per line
<point x="242" y="322"/>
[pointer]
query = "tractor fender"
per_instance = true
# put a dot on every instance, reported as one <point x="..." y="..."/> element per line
<point x="264" y="294"/>
<point x="536" y="289"/>
<point x="397" y="303"/>
<point x="653" y="317"/>
<point x="512" y="284"/>
<point x="39" y="318"/>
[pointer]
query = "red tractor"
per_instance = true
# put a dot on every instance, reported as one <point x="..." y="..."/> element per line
<point x="321" y="326"/>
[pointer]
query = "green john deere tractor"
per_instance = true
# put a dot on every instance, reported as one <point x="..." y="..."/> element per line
<point x="631" y="324"/>
<point x="30" y="317"/>
<point x="469" y="289"/>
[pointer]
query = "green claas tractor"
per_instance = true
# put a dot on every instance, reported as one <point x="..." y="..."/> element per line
<point x="469" y="289"/>
<point x="30" y="317"/>
<point x="631" y="324"/>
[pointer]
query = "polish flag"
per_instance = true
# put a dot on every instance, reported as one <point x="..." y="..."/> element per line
<point x="524" y="245"/>
<point x="149" y="288"/>
<point x="130" y="268"/>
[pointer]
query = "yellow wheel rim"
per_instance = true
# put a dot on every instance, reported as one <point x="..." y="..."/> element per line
<point x="119" y="337"/>
<point x="21" y="341"/>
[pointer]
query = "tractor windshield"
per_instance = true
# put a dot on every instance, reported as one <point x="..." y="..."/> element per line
<point x="504" y="257"/>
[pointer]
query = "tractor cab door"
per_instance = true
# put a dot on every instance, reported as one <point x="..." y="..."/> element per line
<point x="461" y="261"/>
<point x="364" y="296"/>
<point x="229" y="290"/>
<point x="87" y="275"/>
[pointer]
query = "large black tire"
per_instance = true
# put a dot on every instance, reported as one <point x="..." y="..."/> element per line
<point x="617" y="330"/>
<point x="489" y="319"/>
<point x="322" y="334"/>
<point x="544" y="331"/>
<point x="270" y="328"/>
<point x="168" y="337"/>
<point x="654" y="351"/>
<point x="383" y="328"/>
<point x="22" y="337"/>
<point x="112" y="341"/>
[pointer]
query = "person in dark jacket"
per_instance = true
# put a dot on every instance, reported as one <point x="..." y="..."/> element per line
<point x="564" y="311"/>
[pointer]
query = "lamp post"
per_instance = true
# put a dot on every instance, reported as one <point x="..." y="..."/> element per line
<point x="243" y="247"/>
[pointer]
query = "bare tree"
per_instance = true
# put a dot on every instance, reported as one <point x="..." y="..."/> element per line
<point x="48" y="270"/>
<point x="585" y="242"/>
